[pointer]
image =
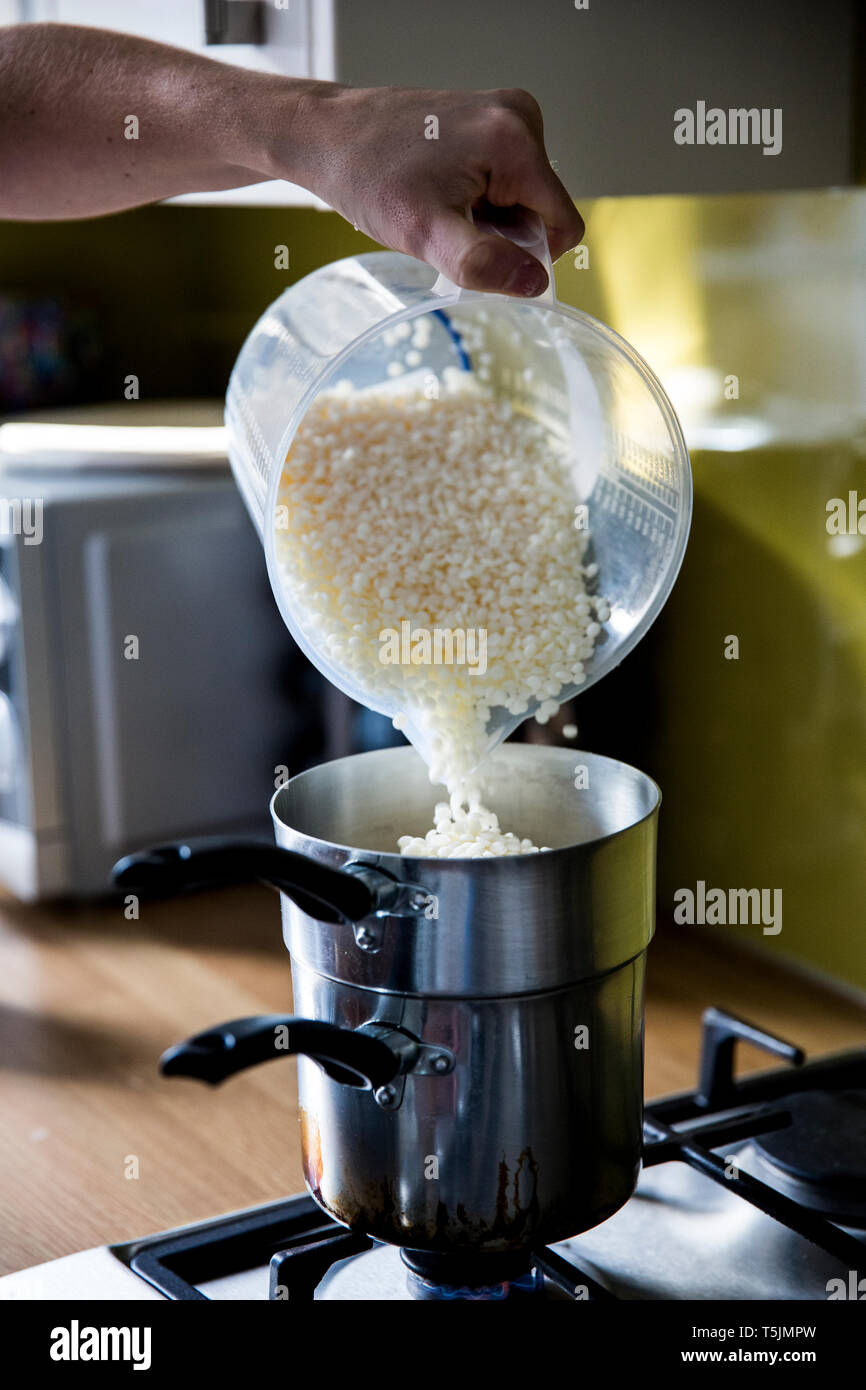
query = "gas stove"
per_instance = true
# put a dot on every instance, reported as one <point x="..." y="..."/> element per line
<point x="751" y="1189"/>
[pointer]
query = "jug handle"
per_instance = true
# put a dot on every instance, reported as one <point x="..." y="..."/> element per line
<point x="321" y="891"/>
<point x="350" y="1057"/>
<point x="525" y="228"/>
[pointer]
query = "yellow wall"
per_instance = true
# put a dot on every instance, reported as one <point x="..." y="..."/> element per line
<point x="762" y="760"/>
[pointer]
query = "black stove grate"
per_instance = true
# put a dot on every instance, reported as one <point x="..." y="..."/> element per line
<point x="295" y="1230"/>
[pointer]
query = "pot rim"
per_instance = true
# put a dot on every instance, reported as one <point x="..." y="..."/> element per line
<point x="485" y="865"/>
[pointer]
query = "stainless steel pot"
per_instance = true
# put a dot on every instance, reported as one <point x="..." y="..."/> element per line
<point x="472" y="1044"/>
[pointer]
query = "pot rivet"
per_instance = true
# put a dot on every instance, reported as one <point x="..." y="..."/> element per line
<point x="386" y="1095"/>
<point x="365" y="937"/>
<point x="440" y="1064"/>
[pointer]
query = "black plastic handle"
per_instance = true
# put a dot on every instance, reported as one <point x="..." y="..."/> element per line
<point x="324" y="893"/>
<point x="355" y="1059"/>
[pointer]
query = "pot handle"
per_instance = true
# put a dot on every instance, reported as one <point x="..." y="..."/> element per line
<point x="355" y="1059"/>
<point x="322" y="892"/>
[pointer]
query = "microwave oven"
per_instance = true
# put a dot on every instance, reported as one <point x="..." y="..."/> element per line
<point x="148" y="687"/>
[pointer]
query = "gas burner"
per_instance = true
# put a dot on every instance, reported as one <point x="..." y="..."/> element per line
<point x="328" y="1267"/>
<point x="458" y="1275"/>
<point x="820" y="1160"/>
<point x="390" y="1273"/>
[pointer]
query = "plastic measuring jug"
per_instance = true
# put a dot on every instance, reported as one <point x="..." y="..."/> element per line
<point x="564" y="369"/>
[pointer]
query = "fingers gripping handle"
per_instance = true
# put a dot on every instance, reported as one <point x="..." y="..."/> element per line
<point x="526" y="229"/>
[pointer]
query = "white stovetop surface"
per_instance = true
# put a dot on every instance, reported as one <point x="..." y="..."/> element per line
<point x="98" y="1275"/>
<point x="91" y="1274"/>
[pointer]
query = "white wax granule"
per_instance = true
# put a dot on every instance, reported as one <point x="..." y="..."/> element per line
<point x="454" y="515"/>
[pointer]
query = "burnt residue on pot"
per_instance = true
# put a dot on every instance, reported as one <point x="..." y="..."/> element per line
<point x="513" y="1216"/>
<point x="511" y="1221"/>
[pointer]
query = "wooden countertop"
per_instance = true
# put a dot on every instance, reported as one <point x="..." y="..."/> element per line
<point x="89" y="1000"/>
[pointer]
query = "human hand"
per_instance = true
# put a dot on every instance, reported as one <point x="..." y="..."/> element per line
<point x="369" y="154"/>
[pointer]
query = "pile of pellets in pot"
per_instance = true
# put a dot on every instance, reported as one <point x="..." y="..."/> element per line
<point x="401" y="517"/>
